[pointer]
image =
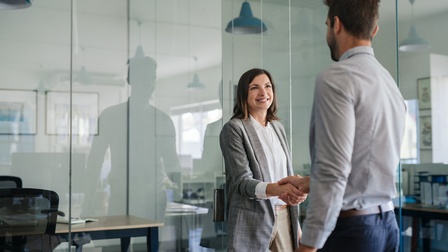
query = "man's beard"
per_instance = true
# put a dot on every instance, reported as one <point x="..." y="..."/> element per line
<point x="333" y="46"/>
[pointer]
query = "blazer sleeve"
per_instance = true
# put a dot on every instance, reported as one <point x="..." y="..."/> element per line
<point x="239" y="157"/>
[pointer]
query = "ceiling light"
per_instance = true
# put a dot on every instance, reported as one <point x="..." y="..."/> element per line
<point x="83" y="76"/>
<point x="14" y="4"/>
<point x="413" y="43"/>
<point x="139" y="51"/>
<point x="246" y="23"/>
<point x="195" y="83"/>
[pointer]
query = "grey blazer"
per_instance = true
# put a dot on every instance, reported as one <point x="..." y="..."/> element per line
<point x="250" y="221"/>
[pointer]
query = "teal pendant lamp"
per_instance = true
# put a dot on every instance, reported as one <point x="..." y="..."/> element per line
<point x="83" y="77"/>
<point x="413" y="43"/>
<point x="14" y="4"/>
<point x="139" y="51"/>
<point x="195" y="83"/>
<point x="246" y="23"/>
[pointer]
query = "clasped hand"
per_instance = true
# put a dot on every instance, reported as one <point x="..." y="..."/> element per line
<point x="296" y="189"/>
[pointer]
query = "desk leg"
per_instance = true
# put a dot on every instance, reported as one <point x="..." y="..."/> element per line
<point x="152" y="240"/>
<point x="415" y="234"/>
<point x="426" y="233"/>
<point x="125" y="242"/>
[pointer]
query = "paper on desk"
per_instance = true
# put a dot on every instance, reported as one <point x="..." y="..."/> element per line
<point x="74" y="220"/>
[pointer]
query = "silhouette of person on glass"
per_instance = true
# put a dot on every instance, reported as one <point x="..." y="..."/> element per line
<point x="141" y="140"/>
<point x="212" y="165"/>
<point x="211" y="152"/>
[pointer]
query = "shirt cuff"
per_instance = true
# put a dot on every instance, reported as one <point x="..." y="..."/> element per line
<point x="260" y="190"/>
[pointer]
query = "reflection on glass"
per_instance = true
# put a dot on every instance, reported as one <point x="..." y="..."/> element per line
<point x="141" y="142"/>
<point x="409" y="144"/>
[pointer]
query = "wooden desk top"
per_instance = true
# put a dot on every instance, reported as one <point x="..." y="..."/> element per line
<point x="422" y="211"/>
<point x="424" y="208"/>
<point x="108" y="223"/>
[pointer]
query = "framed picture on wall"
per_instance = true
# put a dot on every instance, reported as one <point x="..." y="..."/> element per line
<point x="424" y="93"/>
<point x="18" y="109"/>
<point x="425" y="132"/>
<point x="84" y="113"/>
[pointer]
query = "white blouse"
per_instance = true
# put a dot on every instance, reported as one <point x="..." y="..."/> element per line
<point x="275" y="156"/>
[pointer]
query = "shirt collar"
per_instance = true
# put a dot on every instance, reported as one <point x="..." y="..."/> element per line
<point x="356" y="50"/>
<point x="257" y="125"/>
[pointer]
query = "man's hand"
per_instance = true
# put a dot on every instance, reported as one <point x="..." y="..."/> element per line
<point x="301" y="183"/>
<point x="305" y="248"/>
<point x="286" y="192"/>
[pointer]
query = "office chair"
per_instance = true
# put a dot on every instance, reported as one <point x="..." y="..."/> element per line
<point x="10" y="182"/>
<point x="26" y="212"/>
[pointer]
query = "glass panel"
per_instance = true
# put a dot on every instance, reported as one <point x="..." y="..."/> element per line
<point x="35" y="63"/>
<point x="422" y="62"/>
<point x="100" y="110"/>
<point x="170" y="180"/>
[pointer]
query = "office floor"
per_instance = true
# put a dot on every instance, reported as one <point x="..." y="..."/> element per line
<point x="143" y="249"/>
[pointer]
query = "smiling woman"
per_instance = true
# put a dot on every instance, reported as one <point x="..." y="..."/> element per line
<point x="256" y="156"/>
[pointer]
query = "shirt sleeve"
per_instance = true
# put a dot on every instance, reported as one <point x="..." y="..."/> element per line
<point x="331" y="145"/>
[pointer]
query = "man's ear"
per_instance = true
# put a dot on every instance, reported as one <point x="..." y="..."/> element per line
<point x="337" y="25"/>
<point x="375" y="30"/>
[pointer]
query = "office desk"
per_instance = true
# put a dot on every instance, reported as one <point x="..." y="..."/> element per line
<point x="112" y="227"/>
<point x="425" y="214"/>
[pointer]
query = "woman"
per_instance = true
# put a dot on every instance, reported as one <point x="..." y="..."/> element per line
<point x="256" y="155"/>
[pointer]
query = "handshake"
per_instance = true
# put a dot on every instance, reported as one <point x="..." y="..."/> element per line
<point x="292" y="190"/>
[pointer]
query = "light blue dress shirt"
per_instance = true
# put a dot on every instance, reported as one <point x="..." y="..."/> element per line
<point x="357" y="126"/>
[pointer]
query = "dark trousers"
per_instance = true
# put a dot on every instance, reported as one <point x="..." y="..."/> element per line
<point x="366" y="233"/>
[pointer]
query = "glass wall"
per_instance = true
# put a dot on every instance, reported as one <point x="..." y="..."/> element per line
<point x="118" y="106"/>
<point x="422" y="72"/>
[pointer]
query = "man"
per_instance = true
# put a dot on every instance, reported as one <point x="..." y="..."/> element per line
<point x="356" y="130"/>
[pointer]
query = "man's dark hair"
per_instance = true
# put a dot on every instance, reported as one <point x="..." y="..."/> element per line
<point x="359" y="17"/>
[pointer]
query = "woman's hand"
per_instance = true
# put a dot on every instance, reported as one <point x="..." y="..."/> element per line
<point x="292" y="202"/>
<point x="286" y="192"/>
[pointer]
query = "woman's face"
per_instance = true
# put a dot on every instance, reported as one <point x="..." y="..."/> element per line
<point x="260" y="94"/>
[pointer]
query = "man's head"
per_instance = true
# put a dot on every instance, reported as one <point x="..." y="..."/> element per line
<point x="141" y="70"/>
<point x="359" y="17"/>
<point x="141" y="77"/>
<point x="356" y="18"/>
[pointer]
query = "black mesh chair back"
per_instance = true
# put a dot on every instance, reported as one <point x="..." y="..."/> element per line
<point x="27" y="211"/>
<point x="10" y="182"/>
